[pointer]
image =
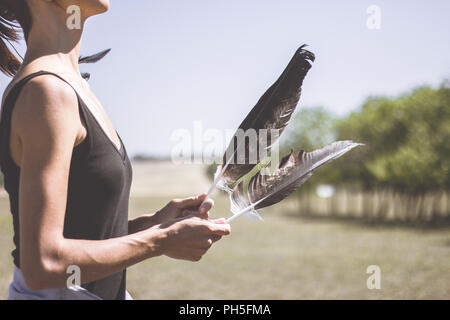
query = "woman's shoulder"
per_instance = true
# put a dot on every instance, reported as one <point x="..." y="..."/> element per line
<point x="44" y="99"/>
<point x="39" y="83"/>
<point x="49" y="87"/>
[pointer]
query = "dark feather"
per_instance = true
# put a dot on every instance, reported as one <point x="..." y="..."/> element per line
<point x="86" y="76"/>
<point x="273" y="111"/>
<point x="267" y="189"/>
<point x="94" y="58"/>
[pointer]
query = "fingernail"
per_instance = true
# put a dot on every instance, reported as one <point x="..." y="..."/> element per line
<point x="220" y="220"/>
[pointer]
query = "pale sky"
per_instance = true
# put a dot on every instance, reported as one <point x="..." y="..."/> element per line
<point x="174" y="62"/>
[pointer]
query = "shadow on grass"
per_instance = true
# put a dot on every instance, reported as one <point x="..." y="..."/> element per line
<point x="437" y="223"/>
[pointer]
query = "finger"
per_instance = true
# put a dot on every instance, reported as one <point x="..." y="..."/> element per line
<point x="185" y="218"/>
<point x="220" y="229"/>
<point x="189" y="202"/>
<point x="206" y="205"/>
<point x="187" y="212"/>
<point x="219" y="221"/>
<point x="206" y="243"/>
<point x="215" y="237"/>
<point x="197" y="254"/>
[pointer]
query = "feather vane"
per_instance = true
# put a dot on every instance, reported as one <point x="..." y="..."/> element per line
<point x="268" y="189"/>
<point x="273" y="111"/>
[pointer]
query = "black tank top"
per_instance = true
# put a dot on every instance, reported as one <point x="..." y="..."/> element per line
<point x="98" y="191"/>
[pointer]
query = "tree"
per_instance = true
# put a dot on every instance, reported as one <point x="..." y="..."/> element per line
<point x="406" y="148"/>
<point x="310" y="128"/>
<point x="406" y="141"/>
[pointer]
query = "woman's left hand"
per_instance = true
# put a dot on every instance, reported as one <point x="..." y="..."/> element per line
<point x="198" y="206"/>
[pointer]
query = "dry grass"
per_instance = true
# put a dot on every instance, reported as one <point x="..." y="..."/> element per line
<point x="284" y="257"/>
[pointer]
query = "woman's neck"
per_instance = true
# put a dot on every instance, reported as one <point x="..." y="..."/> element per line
<point x="52" y="44"/>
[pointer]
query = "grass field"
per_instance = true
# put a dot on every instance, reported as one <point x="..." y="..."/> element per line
<point x="284" y="257"/>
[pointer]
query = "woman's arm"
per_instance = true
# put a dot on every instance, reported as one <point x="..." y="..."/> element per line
<point x="193" y="206"/>
<point x="46" y="126"/>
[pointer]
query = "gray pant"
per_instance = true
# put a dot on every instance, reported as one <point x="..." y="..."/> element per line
<point x="18" y="290"/>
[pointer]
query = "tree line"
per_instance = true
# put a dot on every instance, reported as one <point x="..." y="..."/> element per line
<point x="406" y="156"/>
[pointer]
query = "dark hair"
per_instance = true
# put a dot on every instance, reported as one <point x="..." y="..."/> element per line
<point x="14" y="15"/>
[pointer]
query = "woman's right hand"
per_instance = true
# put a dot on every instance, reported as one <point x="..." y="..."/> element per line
<point x="190" y="237"/>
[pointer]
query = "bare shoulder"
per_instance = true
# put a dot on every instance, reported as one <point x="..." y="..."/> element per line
<point x="46" y="99"/>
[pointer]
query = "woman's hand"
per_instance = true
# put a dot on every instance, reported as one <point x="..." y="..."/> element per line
<point x="197" y="206"/>
<point x="189" y="238"/>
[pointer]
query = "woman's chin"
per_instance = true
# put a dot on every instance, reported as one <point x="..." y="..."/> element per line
<point x="97" y="6"/>
<point x="103" y="5"/>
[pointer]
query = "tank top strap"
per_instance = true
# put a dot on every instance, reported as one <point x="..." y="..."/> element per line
<point x="14" y="92"/>
<point x="10" y="101"/>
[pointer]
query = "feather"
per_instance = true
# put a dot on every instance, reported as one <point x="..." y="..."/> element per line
<point x="93" y="58"/>
<point x="86" y="76"/>
<point x="273" y="111"/>
<point x="293" y="170"/>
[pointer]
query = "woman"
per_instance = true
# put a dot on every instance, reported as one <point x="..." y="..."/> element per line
<point x="68" y="174"/>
